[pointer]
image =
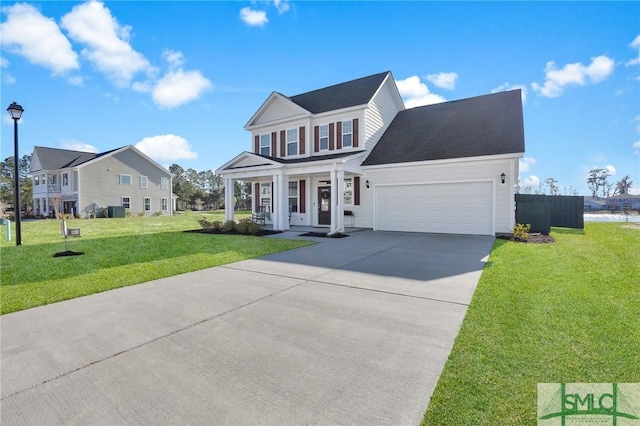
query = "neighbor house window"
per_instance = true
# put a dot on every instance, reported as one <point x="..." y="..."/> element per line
<point x="36" y="180"/>
<point x="126" y="202"/>
<point x="348" y="190"/>
<point x="292" y="142"/>
<point x="164" y="203"/>
<point x="144" y="182"/>
<point x="125" y="179"/>
<point x="65" y="179"/>
<point x="147" y="204"/>
<point x="164" y="183"/>
<point x="347" y="133"/>
<point x="324" y="137"/>
<point x="293" y="196"/>
<point x="265" y="144"/>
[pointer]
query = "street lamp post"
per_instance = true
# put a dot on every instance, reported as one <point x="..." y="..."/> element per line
<point x="16" y="111"/>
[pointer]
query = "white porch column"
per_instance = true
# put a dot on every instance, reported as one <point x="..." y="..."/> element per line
<point x="280" y="204"/>
<point x="334" y="203"/>
<point x="229" y="205"/>
<point x="340" y="203"/>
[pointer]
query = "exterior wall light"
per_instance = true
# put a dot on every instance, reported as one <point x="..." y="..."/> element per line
<point x="367" y="183"/>
<point x="502" y="178"/>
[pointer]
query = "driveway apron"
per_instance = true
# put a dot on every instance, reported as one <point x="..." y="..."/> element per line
<point x="347" y="331"/>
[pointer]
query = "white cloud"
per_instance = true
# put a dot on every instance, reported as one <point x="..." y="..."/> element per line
<point x="612" y="170"/>
<point x="253" y="18"/>
<point x="506" y="86"/>
<point x="76" y="81"/>
<point x="599" y="69"/>
<point x="444" y="80"/>
<point x="107" y="42"/>
<point x="636" y="148"/>
<point x="177" y="87"/>
<point x="415" y="93"/>
<point x="74" y="145"/>
<point x="526" y="163"/>
<point x="282" y="6"/>
<point x="532" y="181"/>
<point x="4" y="62"/>
<point x="28" y="33"/>
<point x="167" y="148"/>
<point x="635" y="44"/>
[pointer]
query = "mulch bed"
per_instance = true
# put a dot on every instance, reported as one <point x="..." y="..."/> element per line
<point x="260" y="233"/>
<point x="323" y="235"/>
<point x="534" y="237"/>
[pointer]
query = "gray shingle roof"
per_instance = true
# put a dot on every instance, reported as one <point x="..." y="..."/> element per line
<point x="343" y="95"/>
<point x="483" y="125"/>
<point x="55" y="159"/>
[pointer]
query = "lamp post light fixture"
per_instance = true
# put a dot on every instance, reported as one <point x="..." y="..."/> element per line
<point x="16" y="110"/>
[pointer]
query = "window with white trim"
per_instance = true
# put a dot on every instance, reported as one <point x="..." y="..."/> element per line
<point x="164" y="203"/>
<point x="164" y="183"/>
<point x="65" y="179"/>
<point x="348" y="191"/>
<point x="293" y="196"/>
<point x="265" y="144"/>
<point x="324" y="137"/>
<point x="144" y="182"/>
<point x="125" y="179"/>
<point x="147" y="204"/>
<point x="347" y="134"/>
<point x="126" y="202"/>
<point x="265" y="194"/>
<point x="292" y="142"/>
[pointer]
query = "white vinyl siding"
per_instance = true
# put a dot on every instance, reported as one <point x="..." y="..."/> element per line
<point x="381" y="112"/>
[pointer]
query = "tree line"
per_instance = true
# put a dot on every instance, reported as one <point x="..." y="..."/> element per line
<point x="597" y="182"/>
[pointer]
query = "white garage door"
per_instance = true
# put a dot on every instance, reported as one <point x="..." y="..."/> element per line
<point x="448" y="208"/>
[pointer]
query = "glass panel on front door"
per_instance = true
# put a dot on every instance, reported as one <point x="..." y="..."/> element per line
<point x="324" y="205"/>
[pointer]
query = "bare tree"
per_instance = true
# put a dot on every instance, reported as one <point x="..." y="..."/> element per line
<point x="553" y="186"/>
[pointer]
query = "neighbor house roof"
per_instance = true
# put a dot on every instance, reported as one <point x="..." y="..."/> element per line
<point x="55" y="159"/>
<point x="339" y="96"/>
<point x="479" y="126"/>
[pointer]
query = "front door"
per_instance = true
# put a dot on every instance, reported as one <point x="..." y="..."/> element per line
<point x="324" y="205"/>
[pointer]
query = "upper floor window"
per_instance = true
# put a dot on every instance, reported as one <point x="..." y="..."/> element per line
<point x="36" y="180"/>
<point x="125" y="179"/>
<point x="65" y="179"/>
<point x="292" y="142"/>
<point x="265" y="144"/>
<point x="144" y="182"/>
<point x="164" y="183"/>
<point x="347" y="133"/>
<point x="324" y="137"/>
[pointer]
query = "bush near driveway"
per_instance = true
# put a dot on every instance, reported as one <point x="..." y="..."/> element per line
<point x="544" y="313"/>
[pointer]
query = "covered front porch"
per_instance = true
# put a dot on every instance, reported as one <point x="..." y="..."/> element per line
<point x="310" y="192"/>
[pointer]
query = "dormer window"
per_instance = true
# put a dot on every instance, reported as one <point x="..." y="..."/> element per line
<point x="324" y="137"/>
<point x="292" y="142"/>
<point x="347" y="134"/>
<point x="265" y="144"/>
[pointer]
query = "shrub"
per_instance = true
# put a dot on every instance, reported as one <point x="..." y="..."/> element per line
<point x="521" y="232"/>
<point x="243" y="225"/>
<point x="229" y="226"/>
<point x="204" y="223"/>
<point x="216" y="225"/>
<point x="254" y="228"/>
<point x="140" y="214"/>
<point x="158" y="213"/>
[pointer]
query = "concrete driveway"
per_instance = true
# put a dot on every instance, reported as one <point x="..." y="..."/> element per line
<point x="348" y="331"/>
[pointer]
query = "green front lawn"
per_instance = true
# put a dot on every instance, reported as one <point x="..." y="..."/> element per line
<point x="118" y="253"/>
<point x="544" y="313"/>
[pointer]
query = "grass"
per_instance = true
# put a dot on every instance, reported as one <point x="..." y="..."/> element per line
<point x="544" y="313"/>
<point x="118" y="253"/>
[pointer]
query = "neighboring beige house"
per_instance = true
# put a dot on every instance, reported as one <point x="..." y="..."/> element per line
<point x="352" y="155"/>
<point x="85" y="183"/>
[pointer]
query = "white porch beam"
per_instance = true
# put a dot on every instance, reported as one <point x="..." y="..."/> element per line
<point x="281" y="206"/>
<point x="340" y="203"/>
<point x="229" y="204"/>
<point x="334" y="203"/>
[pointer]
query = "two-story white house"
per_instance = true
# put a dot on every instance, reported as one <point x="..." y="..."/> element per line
<point x="445" y="168"/>
<point x="84" y="183"/>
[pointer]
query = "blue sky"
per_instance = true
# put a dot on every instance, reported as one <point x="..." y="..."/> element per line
<point x="179" y="80"/>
